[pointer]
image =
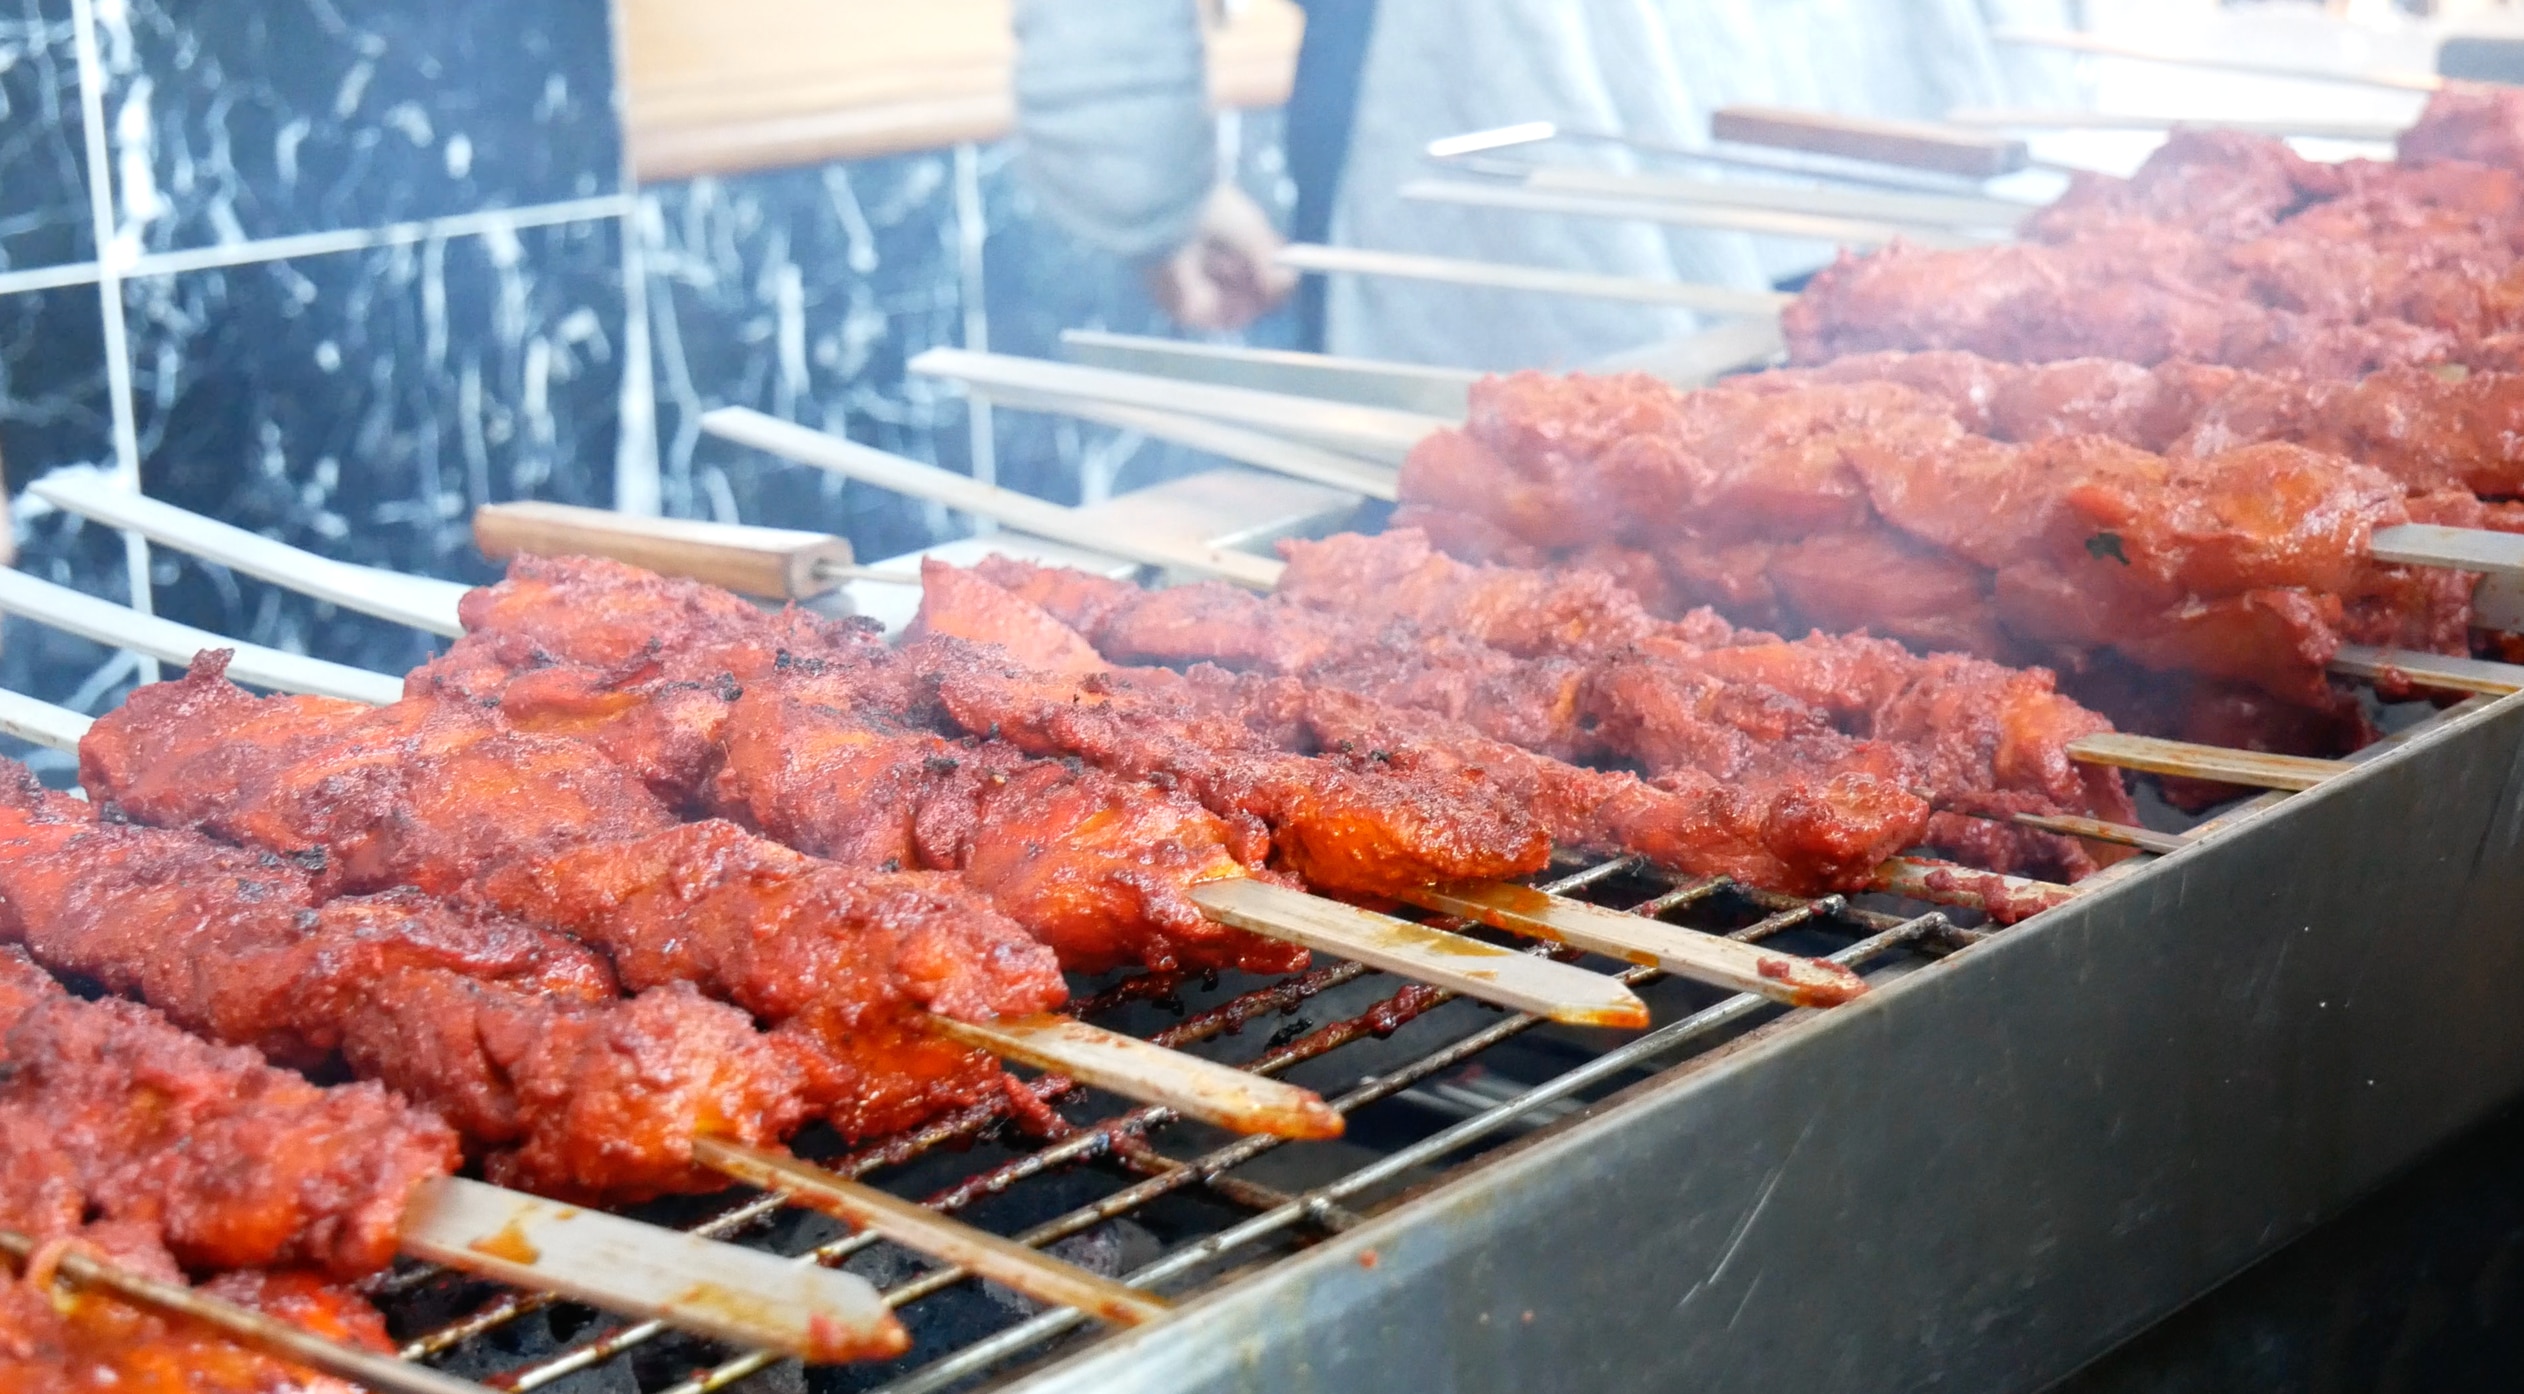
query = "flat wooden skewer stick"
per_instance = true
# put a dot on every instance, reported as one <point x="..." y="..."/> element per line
<point x="1706" y="958"/>
<point x="1378" y="433"/>
<point x="1528" y="198"/>
<point x="2144" y="839"/>
<point x="1022" y="512"/>
<point x="1945" y="883"/>
<point x="420" y="601"/>
<point x="1494" y="275"/>
<point x="1916" y="144"/>
<point x="1929" y="210"/>
<point x="244" y="1325"/>
<point x="2072" y="41"/>
<point x="1126" y="1065"/>
<point x="2251" y="768"/>
<point x="1443" y="393"/>
<point x="744" y="1296"/>
<point x="2040" y="119"/>
<point x="774" y="563"/>
<point x="1278" y="454"/>
<point x="2433" y="670"/>
<point x="978" y="1252"/>
<point x="116" y="626"/>
<point x="1503" y="977"/>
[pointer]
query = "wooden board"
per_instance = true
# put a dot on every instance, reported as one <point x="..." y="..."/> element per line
<point x="734" y="85"/>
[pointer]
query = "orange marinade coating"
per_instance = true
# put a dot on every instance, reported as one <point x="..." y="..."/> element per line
<point x="515" y="1036"/>
<point x="56" y="1338"/>
<point x="233" y="1163"/>
<point x="1343" y="821"/>
<point x="548" y="831"/>
<point x="2222" y="248"/>
<point x="73" y="1342"/>
<point x="1769" y="828"/>
<point x="1685" y="698"/>
<point x="1096" y="866"/>
<point x="2051" y="549"/>
<point x="1093" y="865"/>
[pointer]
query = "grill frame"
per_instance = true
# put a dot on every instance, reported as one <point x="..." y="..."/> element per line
<point x="1984" y="1176"/>
<point x="1876" y="938"/>
<point x="1551" y="1253"/>
<point x="1852" y="1208"/>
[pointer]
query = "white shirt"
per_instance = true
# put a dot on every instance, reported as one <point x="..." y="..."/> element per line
<point x="1115" y="141"/>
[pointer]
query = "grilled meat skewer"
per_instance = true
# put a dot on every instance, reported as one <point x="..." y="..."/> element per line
<point x="805" y="730"/>
<point x="517" y="1037"/>
<point x="1343" y="825"/>
<point x="444" y="798"/>
<point x="2223" y="248"/>
<point x="2438" y="433"/>
<point x="1747" y="745"/>
<point x="232" y="1162"/>
<point x="1813" y="835"/>
<point x="1866" y="505"/>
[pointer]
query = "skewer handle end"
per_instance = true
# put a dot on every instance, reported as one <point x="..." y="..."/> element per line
<point x="774" y="563"/>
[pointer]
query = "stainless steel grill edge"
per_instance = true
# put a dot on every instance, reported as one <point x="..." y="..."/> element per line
<point x="1981" y="1176"/>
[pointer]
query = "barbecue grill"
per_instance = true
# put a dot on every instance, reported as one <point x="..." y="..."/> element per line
<point x="2025" y="1145"/>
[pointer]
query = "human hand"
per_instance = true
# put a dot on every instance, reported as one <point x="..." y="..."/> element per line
<point x="1224" y="276"/>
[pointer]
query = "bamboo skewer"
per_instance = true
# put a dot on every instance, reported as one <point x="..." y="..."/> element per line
<point x="2456" y="549"/>
<point x="1706" y="958"/>
<point x="2074" y="42"/>
<point x="1854" y="232"/>
<point x="1865" y="205"/>
<point x="1019" y="511"/>
<point x="1474" y="150"/>
<point x="419" y="601"/>
<point x="1502" y="977"/>
<point x="2250" y="768"/>
<point x="1126" y="1065"/>
<point x="2431" y="670"/>
<point x="774" y="563"/>
<point x="721" y="1290"/>
<point x="1443" y="393"/>
<point x="1376" y="433"/>
<point x="1915" y="144"/>
<point x="117" y="626"/>
<point x="244" y="1325"/>
<point x="978" y="1252"/>
<point x="1194" y="1087"/>
<point x="2039" y="119"/>
<point x="1493" y="275"/>
<point x="1943" y="883"/>
<point x="2144" y="839"/>
<point x="1278" y="454"/>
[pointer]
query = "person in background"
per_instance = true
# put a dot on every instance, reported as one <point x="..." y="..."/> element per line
<point x="1116" y="140"/>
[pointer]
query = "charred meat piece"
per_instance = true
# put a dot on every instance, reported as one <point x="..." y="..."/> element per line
<point x="231" y="1162"/>
<point x="825" y="743"/>
<point x="446" y="798"/>
<point x="515" y="1036"/>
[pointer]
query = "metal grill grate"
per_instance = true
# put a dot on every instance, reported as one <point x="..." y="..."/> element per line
<point x="1429" y="1083"/>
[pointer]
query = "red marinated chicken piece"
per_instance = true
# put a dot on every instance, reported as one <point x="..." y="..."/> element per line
<point x="446" y="798"/>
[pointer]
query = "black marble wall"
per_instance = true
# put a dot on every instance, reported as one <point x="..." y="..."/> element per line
<point x="361" y="266"/>
<point x="363" y="269"/>
<point x="803" y="292"/>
